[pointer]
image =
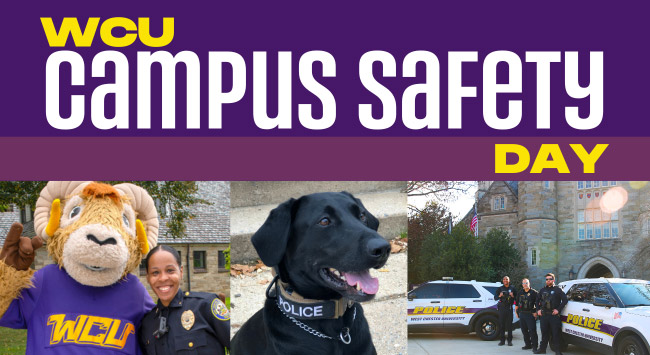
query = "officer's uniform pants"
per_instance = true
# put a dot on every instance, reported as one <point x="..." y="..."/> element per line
<point x="550" y="324"/>
<point x="505" y="323"/>
<point x="528" y="328"/>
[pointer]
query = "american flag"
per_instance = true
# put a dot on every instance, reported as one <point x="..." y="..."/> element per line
<point x="474" y="225"/>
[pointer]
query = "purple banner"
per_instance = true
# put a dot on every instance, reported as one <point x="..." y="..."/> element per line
<point x="303" y="158"/>
<point x="347" y="31"/>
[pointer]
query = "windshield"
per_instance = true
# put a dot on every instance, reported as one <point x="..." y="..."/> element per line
<point x="632" y="295"/>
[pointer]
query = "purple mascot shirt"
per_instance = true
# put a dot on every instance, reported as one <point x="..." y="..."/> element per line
<point x="63" y="316"/>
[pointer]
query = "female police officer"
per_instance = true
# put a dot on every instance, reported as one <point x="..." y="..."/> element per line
<point x="181" y="322"/>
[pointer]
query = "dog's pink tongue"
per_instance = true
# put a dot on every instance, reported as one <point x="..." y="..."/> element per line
<point x="367" y="283"/>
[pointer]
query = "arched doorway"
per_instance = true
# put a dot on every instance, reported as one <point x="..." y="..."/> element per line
<point x="599" y="270"/>
<point x="598" y="267"/>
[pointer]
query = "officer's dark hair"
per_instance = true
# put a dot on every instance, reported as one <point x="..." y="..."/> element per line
<point x="551" y="275"/>
<point x="165" y="248"/>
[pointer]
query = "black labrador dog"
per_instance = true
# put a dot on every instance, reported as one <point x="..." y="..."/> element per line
<point x="321" y="247"/>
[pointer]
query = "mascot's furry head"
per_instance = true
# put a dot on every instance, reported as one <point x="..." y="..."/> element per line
<point x="97" y="232"/>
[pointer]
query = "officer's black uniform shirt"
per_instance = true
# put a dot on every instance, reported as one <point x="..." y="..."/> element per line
<point x="505" y="300"/>
<point x="206" y="317"/>
<point x="526" y="300"/>
<point x="550" y="298"/>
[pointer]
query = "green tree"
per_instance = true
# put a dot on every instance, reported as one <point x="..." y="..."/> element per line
<point x="432" y="218"/>
<point x="503" y="257"/>
<point x="421" y="225"/>
<point x="458" y="255"/>
<point x="464" y="257"/>
<point x="176" y="197"/>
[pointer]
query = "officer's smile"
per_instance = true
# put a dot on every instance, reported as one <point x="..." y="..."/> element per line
<point x="164" y="289"/>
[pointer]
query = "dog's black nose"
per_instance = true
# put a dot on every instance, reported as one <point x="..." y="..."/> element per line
<point x="378" y="248"/>
<point x="109" y="241"/>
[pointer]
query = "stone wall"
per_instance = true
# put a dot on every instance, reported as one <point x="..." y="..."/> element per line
<point x="212" y="279"/>
<point x="545" y="220"/>
<point x="622" y="252"/>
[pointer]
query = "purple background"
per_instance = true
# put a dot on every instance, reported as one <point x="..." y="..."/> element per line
<point x="301" y="158"/>
<point x="346" y="30"/>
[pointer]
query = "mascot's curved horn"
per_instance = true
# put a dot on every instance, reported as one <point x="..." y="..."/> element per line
<point x="47" y="204"/>
<point x="53" y="190"/>
<point x="145" y="209"/>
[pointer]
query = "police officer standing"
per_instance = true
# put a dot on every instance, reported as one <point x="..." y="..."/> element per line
<point x="527" y="312"/>
<point x="182" y="321"/>
<point x="506" y="296"/>
<point x="550" y="302"/>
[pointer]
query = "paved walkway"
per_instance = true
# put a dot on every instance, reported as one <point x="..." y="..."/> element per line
<point x="445" y="344"/>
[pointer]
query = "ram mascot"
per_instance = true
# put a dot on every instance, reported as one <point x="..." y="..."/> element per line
<point x="87" y="302"/>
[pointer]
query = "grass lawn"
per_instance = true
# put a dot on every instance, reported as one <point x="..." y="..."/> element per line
<point x="12" y="341"/>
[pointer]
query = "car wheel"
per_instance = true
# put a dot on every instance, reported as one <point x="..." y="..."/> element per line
<point x="631" y="345"/>
<point x="487" y="327"/>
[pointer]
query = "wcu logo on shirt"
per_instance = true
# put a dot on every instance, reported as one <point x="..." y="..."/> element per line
<point x="89" y="330"/>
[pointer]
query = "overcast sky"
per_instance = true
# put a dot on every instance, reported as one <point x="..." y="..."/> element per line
<point x="458" y="207"/>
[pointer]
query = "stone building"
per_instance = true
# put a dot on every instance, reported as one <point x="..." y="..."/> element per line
<point x="574" y="229"/>
<point x="202" y="250"/>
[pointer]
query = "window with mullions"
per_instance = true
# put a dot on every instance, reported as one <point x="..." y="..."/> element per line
<point x="592" y="222"/>
<point x="221" y="260"/>
<point x="594" y="184"/>
<point x="499" y="203"/>
<point x="199" y="261"/>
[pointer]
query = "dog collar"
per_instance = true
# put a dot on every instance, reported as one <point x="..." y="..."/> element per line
<point x="295" y="305"/>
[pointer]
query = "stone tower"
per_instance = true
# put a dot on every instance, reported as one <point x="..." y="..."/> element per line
<point x="538" y="226"/>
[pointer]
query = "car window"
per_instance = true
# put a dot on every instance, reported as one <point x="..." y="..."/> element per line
<point x="491" y="289"/>
<point x="601" y="291"/>
<point x="633" y="294"/>
<point x="580" y="293"/>
<point x="428" y="291"/>
<point x="462" y="291"/>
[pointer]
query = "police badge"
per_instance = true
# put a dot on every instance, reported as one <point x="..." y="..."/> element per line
<point x="187" y="319"/>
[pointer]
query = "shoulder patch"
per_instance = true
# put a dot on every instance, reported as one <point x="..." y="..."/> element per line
<point x="219" y="310"/>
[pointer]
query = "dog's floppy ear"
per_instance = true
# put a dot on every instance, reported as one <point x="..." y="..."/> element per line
<point x="373" y="222"/>
<point x="271" y="239"/>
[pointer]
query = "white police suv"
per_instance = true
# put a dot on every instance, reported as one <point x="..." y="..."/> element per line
<point x="607" y="315"/>
<point x="449" y="306"/>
